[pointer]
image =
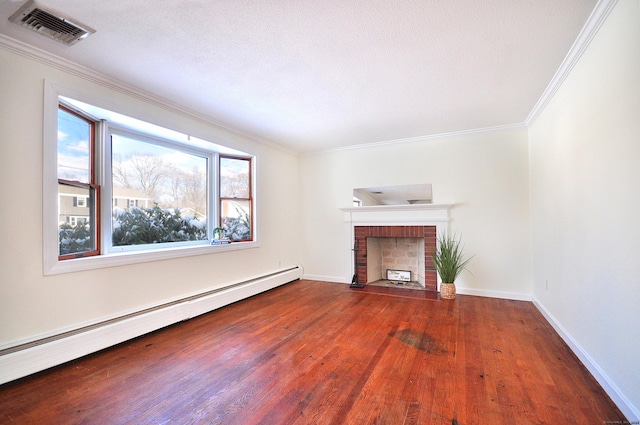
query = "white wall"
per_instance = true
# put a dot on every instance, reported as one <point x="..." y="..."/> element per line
<point x="484" y="175"/>
<point x="32" y="305"/>
<point x="585" y="206"/>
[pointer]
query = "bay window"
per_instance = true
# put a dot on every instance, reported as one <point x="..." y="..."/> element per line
<point x="130" y="191"/>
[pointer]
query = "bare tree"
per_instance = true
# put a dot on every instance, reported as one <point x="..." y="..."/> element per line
<point x="164" y="183"/>
<point x="176" y="182"/>
<point x="150" y="172"/>
<point x="194" y="191"/>
<point x="119" y="172"/>
<point x="235" y="186"/>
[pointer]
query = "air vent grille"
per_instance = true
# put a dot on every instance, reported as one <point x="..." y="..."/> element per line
<point x="50" y="24"/>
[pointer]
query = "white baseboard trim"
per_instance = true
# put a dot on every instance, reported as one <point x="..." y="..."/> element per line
<point x="39" y="356"/>
<point x="323" y="278"/>
<point x="516" y="296"/>
<point x="628" y="409"/>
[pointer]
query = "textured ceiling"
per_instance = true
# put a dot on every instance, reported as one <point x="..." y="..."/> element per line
<point x="314" y="75"/>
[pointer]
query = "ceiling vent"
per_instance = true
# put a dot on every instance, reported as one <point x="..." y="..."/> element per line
<point x="51" y="24"/>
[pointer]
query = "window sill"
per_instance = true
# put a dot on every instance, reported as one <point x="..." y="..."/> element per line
<point x="135" y="257"/>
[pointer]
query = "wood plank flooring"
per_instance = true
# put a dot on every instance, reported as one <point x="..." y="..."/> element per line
<point x="320" y="353"/>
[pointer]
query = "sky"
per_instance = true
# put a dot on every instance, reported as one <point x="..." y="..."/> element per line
<point x="73" y="147"/>
<point x="74" y="160"/>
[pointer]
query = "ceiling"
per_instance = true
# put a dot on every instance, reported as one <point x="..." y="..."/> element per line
<point x="313" y="75"/>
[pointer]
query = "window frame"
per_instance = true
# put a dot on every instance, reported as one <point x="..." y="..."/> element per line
<point x="91" y="185"/>
<point x="221" y="199"/>
<point x="52" y="264"/>
<point x="211" y="157"/>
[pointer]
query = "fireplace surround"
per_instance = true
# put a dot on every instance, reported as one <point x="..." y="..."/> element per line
<point x="423" y="221"/>
<point x="427" y="234"/>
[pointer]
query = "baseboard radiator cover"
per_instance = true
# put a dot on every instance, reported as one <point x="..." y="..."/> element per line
<point x="24" y="360"/>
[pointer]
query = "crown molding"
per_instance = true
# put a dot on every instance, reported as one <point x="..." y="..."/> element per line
<point x="419" y="139"/>
<point x="589" y="30"/>
<point x="72" y="68"/>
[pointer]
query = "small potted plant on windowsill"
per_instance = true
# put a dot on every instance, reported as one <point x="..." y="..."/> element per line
<point x="219" y="237"/>
<point x="449" y="263"/>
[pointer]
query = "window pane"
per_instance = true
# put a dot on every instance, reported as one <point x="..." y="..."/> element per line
<point x="234" y="178"/>
<point x="159" y="193"/>
<point x="76" y="228"/>
<point x="74" y="138"/>
<point x="236" y="219"/>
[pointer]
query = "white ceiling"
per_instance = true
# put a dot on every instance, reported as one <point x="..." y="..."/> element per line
<point x="319" y="74"/>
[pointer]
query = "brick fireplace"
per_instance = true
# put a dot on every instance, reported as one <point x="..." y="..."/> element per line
<point x="425" y="234"/>
<point x="401" y="223"/>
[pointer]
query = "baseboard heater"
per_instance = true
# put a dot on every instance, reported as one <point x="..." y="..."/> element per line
<point x="25" y="359"/>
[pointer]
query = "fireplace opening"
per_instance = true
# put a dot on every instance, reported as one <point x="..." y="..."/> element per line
<point x="404" y="248"/>
<point x="396" y="261"/>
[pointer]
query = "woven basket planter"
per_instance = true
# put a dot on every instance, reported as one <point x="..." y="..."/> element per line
<point x="448" y="291"/>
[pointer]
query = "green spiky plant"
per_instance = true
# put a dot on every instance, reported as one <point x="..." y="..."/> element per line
<point x="218" y="233"/>
<point x="448" y="258"/>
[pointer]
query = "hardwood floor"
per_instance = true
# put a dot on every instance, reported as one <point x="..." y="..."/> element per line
<point x="320" y="353"/>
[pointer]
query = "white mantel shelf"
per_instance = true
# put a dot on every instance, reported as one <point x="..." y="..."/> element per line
<point x="416" y="214"/>
<point x="408" y="207"/>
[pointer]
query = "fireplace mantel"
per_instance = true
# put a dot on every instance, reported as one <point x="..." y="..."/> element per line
<point x="416" y="214"/>
<point x="436" y="215"/>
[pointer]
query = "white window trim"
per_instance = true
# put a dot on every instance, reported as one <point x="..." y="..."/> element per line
<point x="51" y="264"/>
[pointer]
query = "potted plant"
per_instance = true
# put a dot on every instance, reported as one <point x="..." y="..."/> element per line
<point x="219" y="236"/>
<point x="449" y="263"/>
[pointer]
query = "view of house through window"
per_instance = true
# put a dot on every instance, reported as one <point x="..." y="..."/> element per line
<point x="160" y="183"/>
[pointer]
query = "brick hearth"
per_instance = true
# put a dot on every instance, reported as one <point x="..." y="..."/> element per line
<point x="428" y="233"/>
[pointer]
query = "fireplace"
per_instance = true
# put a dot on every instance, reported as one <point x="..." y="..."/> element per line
<point x="373" y="229"/>
<point x="410" y="247"/>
